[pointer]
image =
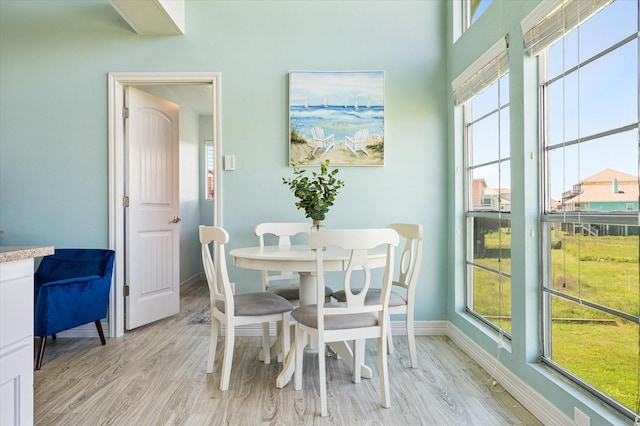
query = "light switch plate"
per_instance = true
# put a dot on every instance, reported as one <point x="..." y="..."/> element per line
<point x="229" y="162"/>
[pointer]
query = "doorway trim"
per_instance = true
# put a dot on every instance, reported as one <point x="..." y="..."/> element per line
<point x="116" y="83"/>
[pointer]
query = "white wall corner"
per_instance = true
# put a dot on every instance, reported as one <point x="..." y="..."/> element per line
<point x="194" y="280"/>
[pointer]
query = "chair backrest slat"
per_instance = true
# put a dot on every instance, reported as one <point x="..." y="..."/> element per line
<point x="360" y="242"/>
<point x="213" y="238"/>
<point x="283" y="231"/>
<point x="411" y="257"/>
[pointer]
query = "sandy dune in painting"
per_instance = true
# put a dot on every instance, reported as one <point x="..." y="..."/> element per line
<point x="339" y="155"/>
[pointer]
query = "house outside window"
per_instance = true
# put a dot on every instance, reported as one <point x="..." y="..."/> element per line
<point x="590" y="241"/>
<point x="580" y="206"/>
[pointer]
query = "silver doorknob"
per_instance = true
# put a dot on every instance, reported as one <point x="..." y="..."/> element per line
<point x="176" y="219"/>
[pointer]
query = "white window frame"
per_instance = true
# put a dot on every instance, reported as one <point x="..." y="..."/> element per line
<point x="209" y="162"/>
<point x="466" y="13"/>
<point x="488" y="69"/>
<point x="539" y="33"/>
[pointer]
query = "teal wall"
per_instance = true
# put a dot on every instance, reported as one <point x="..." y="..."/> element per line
<point x="54" y="60"/>
<point x="607" y="206"/>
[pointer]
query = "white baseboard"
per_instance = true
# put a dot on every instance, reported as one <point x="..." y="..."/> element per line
<point x="85" y="330"/>
<point x="197" y="278"/>
<point x="537" y="404"/>
<point x="421" y="328"/>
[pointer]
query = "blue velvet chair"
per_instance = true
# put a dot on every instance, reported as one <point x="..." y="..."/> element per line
<point x="71" y="289"/>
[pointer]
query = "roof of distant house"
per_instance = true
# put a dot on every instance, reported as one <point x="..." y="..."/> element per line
<point x="600" y="188"/>
<point x="608" y="175"/>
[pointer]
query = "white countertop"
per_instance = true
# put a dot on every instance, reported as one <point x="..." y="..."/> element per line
<point x="11" y="253"/>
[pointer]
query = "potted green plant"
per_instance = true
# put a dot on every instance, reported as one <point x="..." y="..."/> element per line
<point x="316" y="193"/>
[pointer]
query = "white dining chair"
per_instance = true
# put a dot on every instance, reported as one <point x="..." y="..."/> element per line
<point x="284" y="283"/>
<point x="236" y="310"/>
<point x="402" y="298"/>
<point x="352" y="320"/>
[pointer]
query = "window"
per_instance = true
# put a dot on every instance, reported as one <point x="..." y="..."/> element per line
<point x="581" y="206"/>
<point x="209" y="170"/>
<point x="484" y="97"/>
<point x="473" y="9"/>
<point x="589" y="71"/>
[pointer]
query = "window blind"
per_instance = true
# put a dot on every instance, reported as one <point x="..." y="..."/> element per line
<point x="483" y="72"/>
<point x="552" y="19"/>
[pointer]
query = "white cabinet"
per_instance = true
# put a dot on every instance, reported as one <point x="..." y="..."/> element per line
<point x="16" y="335"/>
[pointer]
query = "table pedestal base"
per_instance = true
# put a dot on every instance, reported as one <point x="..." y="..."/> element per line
<point x="340" y="348"/>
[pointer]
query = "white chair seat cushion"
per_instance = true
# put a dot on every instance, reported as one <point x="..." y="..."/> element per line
<point x="256" y="304"/>
<point x="373" y="297"/>
<point x="308" y="315"/>
<point x="292" y="291"/>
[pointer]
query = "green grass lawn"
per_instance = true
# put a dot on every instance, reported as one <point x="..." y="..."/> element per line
<point x="602" y="270"/>
<point x="606" y="356"/>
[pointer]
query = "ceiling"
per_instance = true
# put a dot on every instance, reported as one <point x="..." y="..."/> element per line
<point x="197" y="97"/>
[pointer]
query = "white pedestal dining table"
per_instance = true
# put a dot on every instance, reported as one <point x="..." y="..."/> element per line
<point x="301" y="259"/>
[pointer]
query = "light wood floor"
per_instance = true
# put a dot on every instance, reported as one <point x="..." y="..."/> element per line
<point x="155" y="375"/>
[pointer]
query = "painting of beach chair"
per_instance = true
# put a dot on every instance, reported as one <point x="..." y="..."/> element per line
<point x="356" y="143"/>
<point x="322" y="143"/>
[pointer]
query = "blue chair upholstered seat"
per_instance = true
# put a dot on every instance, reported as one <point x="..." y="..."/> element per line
<point x="71" y="289"/>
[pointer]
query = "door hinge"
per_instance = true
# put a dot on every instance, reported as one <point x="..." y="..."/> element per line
<point x="126" y="290"/>
<point x="125" y="112"/>
<point x="125" y="201"/>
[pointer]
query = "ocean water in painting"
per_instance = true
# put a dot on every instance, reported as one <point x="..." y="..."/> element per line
<point x="337" y="120"/>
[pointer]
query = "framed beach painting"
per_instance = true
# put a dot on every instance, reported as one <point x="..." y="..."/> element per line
<point x="337" y="116"/>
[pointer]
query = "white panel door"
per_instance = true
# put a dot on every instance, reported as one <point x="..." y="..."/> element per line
<point x="151" y="219"/>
